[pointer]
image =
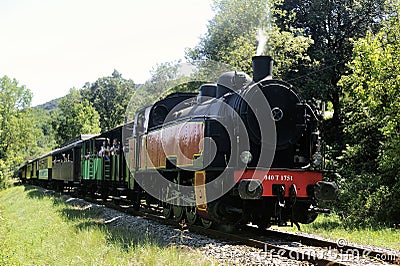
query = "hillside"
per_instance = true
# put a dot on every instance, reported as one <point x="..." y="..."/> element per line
<point x="48" y="106"/>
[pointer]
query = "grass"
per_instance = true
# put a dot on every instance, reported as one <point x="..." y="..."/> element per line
<point x="330" y="226"/>
<point x="43" y="230"/>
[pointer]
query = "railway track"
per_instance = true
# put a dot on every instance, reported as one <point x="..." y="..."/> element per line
<point x="277" y="243"/>
<point x="341" y="245"/>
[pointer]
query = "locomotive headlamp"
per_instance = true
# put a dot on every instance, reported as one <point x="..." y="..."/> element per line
<point x="317" y="159"/>
<point x="246" y="157"/>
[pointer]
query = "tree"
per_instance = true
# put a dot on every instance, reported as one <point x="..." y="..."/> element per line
<point x="332" y="24"/>
<point x="231" y="37"/>
<point x="110" y="97"/>
<point x="233" y="19"/>
<point x="17" y="133"/>
<point x="371" y="161"/>
<point x="15" y="126"/>
<point x="45" y="137"/>
<point x="164" y="77"/>
<point x="76" y="116"/>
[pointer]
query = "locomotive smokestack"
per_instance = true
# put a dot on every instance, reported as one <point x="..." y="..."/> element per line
<point x="262" y="67"/>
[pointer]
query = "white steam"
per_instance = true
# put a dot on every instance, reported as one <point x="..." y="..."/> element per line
<point x="263" y="30"/>
<point x="262" y="40"/>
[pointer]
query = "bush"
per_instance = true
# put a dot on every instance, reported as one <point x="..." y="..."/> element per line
<point x="370" y="165"/>
<point x="5" y="175"/>
<point x="369" y="192"/>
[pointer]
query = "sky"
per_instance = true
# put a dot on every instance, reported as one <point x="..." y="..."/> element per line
<point x="51" y="46"/>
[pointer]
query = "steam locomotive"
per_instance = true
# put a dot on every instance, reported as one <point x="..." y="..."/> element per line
<point x="241" y="150"/>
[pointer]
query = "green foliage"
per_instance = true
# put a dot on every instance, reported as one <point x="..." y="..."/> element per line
<point x="331" y="25"/>
<point x="371" y="184"/>
<point x="240" y="52"/>
<point x="146" y="94"/>
<point x="232" y="37"/>
<point x="45" y="137"/>
<point x="4" y="174"/>
<point x="76" y="116"/>
<point x="232" y="20"/>
<point x="110" y="97"/>
<point x="17" y="132"/>
<point x="48" y="106"/>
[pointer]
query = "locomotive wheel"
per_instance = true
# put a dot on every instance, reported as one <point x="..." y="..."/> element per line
<point x="167" y="211"/>
<point x="206" y="223"/>
<point x="179" y="211"/>
<point x="191" y="214"/>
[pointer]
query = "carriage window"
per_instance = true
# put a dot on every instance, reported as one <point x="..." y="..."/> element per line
<point x="140" y="122"/>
